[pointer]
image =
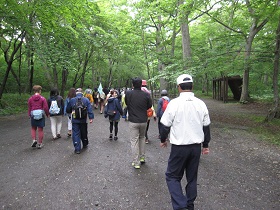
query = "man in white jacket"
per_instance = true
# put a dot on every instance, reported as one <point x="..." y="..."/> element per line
<point x="187" y="120"/>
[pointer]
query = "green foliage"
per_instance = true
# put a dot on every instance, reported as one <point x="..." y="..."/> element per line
<point x="267" y="130"/>
<point x="96" y="40"/>
<point x="13" y="103"/>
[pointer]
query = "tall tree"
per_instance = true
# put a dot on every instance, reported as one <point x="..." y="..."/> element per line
<point x="258" y="14"/>
<point x="275" y="111"/>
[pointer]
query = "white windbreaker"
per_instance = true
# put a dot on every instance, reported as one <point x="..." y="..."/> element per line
<point x="186" y="115"/>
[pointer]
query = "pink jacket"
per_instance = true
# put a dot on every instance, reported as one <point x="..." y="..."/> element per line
<point x="38" y="102"/>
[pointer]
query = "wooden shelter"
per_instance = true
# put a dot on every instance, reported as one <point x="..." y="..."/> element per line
<point x="221" y="86"/>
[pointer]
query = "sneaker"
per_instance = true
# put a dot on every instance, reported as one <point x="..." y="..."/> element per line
<point x="137" y="167"/>
<point x="85" y="144"/>
<point x="34" y="143"/>
<point x="39" y="146"/>
<point x="111" y="136"/>
<point x="147" y="141"/>
<point x="142" y="160"/>
<point x="69" y="134"/>
<point x="77" y="151"/>
<point x="58" y="136"/>
<point x="115" y="138"/>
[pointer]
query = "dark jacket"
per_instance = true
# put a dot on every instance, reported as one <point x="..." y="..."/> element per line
<point x="113" y="104"/>
<point x="86" y="102"/>
<point x="137" y="102"/>
<point x="60" y="104"/>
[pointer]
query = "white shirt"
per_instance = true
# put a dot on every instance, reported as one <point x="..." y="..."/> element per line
<point x="186" y="115"/>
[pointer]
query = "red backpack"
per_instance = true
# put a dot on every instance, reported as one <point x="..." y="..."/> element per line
<point x="164" y="104"/>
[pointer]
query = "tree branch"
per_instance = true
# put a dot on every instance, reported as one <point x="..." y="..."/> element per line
<point x="226" y="26"/>
<point x="204" y="12"/>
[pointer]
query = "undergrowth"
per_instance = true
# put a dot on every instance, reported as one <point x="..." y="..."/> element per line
<point x="268" y="131"/>
<point x="15" y="104"/>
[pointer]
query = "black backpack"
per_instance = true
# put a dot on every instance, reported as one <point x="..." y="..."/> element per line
<point x="80" y="110"/>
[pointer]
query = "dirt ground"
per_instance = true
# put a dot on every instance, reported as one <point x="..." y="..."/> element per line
<point x="241" y="171"/>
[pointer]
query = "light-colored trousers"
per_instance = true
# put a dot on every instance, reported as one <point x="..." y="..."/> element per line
<point x="137" y="134"/>
<point x="56" y="124"/>
<point x="69" y="122"/>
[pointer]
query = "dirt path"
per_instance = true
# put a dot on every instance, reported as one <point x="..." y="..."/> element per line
<point x="242" y="172"/>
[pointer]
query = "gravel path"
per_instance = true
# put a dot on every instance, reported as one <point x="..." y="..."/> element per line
<point x="241" y="171"/>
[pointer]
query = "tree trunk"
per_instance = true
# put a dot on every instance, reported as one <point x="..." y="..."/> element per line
<point x="9" y="60"/>
<point x="19" y="70"/>
<point x="275" y="111"/>
<point x="186" y="39"/>
<point x="245" y="86"/>
<point x="82" y="83"/>
<point x="247" y="66"/>
<point x="147" y="66"/>
<point x="30" y="65"/>
<point x="111" y="63"/>
<point x="93" y="77"/>
<point x="55" y="77"/>
<point x="31" y="76"/>
<point x="15" y="76"/>
<point x="255" y="28"/>
<point x="64" y="81"/>
<point x="30" y="55"/>
<point x="159" y="49"/>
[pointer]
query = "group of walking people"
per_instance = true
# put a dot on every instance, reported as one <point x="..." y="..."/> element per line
<point x="183" y="121"/>
<point x="55" y="108"/>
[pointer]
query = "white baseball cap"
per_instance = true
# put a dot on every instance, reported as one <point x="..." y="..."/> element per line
<point x="184" y="78"/>
<point x="79" y="90"/>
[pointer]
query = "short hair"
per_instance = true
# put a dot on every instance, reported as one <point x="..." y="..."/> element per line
<point x="137" y="82"/>
<point x="186" y="86"/>
<point x="37" y="88"/>
<point x="54" y="92"/>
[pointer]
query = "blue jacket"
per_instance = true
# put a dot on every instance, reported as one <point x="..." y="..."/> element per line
<point x="113" y="104"/>
<point x="67" y="100"/>
<point x="71" y="105"/>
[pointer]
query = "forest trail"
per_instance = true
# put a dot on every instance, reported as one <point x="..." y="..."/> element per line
<point x="241" y="171"/>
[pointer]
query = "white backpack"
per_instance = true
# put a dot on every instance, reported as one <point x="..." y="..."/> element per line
<point x="54" y="109"/>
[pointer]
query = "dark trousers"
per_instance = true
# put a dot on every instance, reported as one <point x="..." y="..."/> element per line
<point x="125" y="112"/>
<point x="183" y="158"/>
<point x="159" y="125"/>
<point x="147" y="128"/>
<point x="79" y="133"/>
<point x="114" y="124"/>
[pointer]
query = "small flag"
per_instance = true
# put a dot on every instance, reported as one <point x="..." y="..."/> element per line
<point x="100" y="89"/>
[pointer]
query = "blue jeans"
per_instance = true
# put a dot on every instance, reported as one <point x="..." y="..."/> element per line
<point x="79" y="133"/>
<point x="183" y="158"/>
